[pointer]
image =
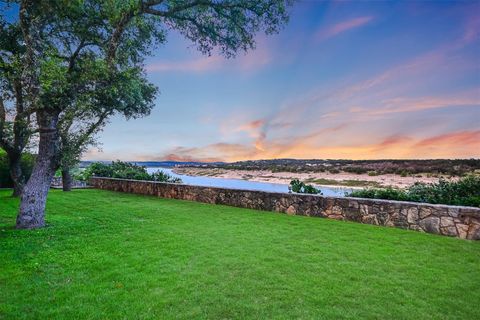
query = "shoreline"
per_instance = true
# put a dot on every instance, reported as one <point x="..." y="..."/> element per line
<point x="320" y="179"/>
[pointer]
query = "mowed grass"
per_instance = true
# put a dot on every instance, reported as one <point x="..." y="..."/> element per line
<point x="107" y="255"/>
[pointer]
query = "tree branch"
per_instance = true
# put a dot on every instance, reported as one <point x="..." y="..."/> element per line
<point x="31" y="70"/>
<point x="179" y="8"/>
<point x="71" y="62"/>
<point x="117" y="34"/>
<point x="3" y="117"/>
<point x="93" y="127"/>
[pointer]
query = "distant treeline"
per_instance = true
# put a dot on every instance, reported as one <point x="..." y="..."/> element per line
<point x="457" y="167"/>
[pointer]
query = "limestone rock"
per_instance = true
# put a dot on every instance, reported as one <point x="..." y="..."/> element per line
<point x="412" y="215"/>
<point x="449" y="231"/>
<point x="430" y="224"/>
<point x="453" y="212"/>
<point x="446" y="222"/>
<point x="424" y="212"/>
<point x="474" y="232"/>
<point x="462" y="230"/>
<point x="291" y="210"/>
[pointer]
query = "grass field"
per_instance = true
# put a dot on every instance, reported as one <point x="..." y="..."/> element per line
<point x="109" y="255"/>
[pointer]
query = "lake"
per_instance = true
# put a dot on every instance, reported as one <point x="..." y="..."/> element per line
<point x="244" y="184"/>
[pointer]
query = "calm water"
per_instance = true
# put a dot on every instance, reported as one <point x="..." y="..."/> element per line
<point x="244" y="184"/>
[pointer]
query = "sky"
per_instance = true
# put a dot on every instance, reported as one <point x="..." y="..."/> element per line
<point x="343" y="80"/>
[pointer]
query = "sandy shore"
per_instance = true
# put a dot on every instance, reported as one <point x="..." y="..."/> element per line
<point x="316" y="178"/>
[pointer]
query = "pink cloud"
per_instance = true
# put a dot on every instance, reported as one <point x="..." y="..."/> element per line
<point x="343" y="26"/>
<point x="466" y="139"/>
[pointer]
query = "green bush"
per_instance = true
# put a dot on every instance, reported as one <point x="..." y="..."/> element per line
<point x="463" y="192"/>
<point x="380" y="193"/>
<point x="357" y="170"/>
<point x="124" y="170"/>
<point x="300" y="187"/>
<point x="28" y="160"/>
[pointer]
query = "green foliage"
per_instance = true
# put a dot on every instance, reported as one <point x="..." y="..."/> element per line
<point x="125" y="170"/>
<point x="464" y="192"/>
<point x="5" y="180"/>
<point x="164" y="177"/>
<point x="388" y="193"/>
<point x="110" y="255"/>
<point x="27" y="162"/>
<point x="357" y="170"/>
<point x="300" y="187"/>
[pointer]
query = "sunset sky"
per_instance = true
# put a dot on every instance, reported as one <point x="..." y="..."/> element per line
<point x="356" y="80"/>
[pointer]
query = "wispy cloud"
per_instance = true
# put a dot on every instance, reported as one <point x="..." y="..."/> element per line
<point x="472" y="28"/>
<point x="209" y="153"/>
<point x="341" y="27"/>
<point x="399" y="105"/>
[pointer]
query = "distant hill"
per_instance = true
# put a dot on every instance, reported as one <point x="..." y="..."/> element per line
<point x="454" y="167"/>
<point x="162" y="164"/>
<point x="167" y="164"/>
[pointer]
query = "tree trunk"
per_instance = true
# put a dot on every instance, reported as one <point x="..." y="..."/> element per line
<point x="66" y="179"/>
<point x="34" y="197"/>
<point x="16" y="174"/>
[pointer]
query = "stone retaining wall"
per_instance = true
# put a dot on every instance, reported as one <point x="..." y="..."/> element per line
<point x="462" y="222"/>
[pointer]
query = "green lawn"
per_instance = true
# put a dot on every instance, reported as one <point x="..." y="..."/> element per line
<point x="109" y="255"/>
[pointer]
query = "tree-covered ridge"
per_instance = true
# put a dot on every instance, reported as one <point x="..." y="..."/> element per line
<point x="454" y="167"/>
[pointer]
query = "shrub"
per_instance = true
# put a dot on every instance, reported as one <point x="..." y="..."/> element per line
<point x="164" y="177"/>
<point x="124" y="170"/>
<point x="464" y="192"/>
<point x="300" y="187"/>
<point x="27" y="162"/>
<point x="357" y="170"/>
<point x="380" y="193"/>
